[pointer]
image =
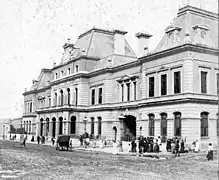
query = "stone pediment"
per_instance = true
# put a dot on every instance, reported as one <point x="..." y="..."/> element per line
<point x="127" y="77"/>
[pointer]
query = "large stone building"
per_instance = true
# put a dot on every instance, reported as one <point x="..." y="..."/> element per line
<point x="103" y="88"/>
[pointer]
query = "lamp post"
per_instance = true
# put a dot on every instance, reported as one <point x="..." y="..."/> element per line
<point x="85" y="123"/>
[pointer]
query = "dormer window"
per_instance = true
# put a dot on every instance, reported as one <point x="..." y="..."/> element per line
<point x="173" y="33"/>
<point x="201" y="33"/>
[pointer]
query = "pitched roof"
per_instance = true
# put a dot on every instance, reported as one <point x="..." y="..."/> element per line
<point x="192" y="25"/>
<point x="100" y="43"/>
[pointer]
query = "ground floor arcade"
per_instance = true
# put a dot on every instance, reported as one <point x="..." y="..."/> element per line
<point x="188" y="121"/>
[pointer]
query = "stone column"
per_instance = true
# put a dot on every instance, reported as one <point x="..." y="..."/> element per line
<point x="121" y="128"/>
<point x="131" y="89"/>
<point x="37" y="128"/>
<point x="95" y="127"/>
<point x="125" y="92"/>
<point x="57" y="128"/>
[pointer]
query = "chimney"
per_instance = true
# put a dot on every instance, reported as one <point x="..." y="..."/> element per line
<point x="143" y="41"/>
<point x="119" y="42"/>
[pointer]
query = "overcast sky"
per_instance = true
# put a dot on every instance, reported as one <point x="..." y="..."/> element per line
<point x="32" y="33"/>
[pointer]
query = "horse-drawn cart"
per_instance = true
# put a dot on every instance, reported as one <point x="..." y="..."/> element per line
<point x="63" y="142"/>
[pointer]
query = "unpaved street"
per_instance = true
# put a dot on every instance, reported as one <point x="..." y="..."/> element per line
<point x="44" y="162"/>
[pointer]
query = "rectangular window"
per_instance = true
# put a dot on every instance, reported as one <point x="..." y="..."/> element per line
<point x="76" y="68"/>
<point x="177" y="82"/>
<point x="177" y="124"/>
<point x="151" y="125"/>
<point x="100" y="95"/>
<point x="128" y="91"/>
<point x="203" y="82"/>
<point x="122" y="87"/>
<point x="151" y="86"/>
<point x="163" y="84"/>
<point x="204" y="124"/>
<point x="134" y="84"/>
<point x="93" y="96"/>
<point x="163" y="124"/>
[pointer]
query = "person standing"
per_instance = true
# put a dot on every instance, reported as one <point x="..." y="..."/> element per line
<point x="177" y="148"/>
<point x="196" y="146"/>
<point x="210" y="152"/>
<point x="24" y="141"/>
<point x="38" y="139"/>
<point x="115" y="151"/>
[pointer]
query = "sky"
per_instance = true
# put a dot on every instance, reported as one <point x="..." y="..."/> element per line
<point x="32" y="33"/>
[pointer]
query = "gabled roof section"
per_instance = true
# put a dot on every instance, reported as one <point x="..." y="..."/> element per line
<point x="192" y="25"/>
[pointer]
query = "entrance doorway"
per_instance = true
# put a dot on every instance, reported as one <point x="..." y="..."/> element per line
<point x="129" y="128"/>
<point x="60" y="125"/>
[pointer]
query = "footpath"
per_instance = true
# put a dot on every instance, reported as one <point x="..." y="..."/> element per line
<point x="108" y="149"/>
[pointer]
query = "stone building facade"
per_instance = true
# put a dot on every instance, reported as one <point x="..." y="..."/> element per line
<point x="102" y="87"/>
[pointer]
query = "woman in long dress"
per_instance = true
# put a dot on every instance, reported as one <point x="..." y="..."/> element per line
<point x="197" y="146"/>
<point x="210" y="152"/>
<point x="115" y="151"/>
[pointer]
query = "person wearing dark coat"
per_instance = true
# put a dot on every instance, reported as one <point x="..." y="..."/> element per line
<point x="133" y="146"/>
<point x="168" y="146"/>
<point x="210" y="152"/>
<point x="177" y="148"/>
<point x="182" y="147"/>
<point x="38" y="139"/>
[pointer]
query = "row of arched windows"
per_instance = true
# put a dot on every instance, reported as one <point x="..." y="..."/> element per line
<point x="61" y="101"/>
<point x="178" y="124"/>
<point x="27" y="126"/>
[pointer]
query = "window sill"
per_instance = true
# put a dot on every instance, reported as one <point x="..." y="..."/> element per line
<point x="205" y="137"/>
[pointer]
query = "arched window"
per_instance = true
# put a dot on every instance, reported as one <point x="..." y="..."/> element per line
<point x="69" y="95"/>
<point x="163" y="124"/>
<point x="41" y="127"/>
<point x="92" y="126"/>
<point x="151" y="124"/>
<point x="55" y="99"/>
<point x="204" y="124"/>
<point x="29" y="127"/>
<point x="47" y="126"/>
<point x="73" y="125"/>
<point x="177" y="124"/>
<point x="76" y="96"/>
<point x="31" y="107"/>
<point x="60" y="125"/>
<point x="53" y="127"/>
<point x="99" y="125"/>
<point x="61" y="98"/>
